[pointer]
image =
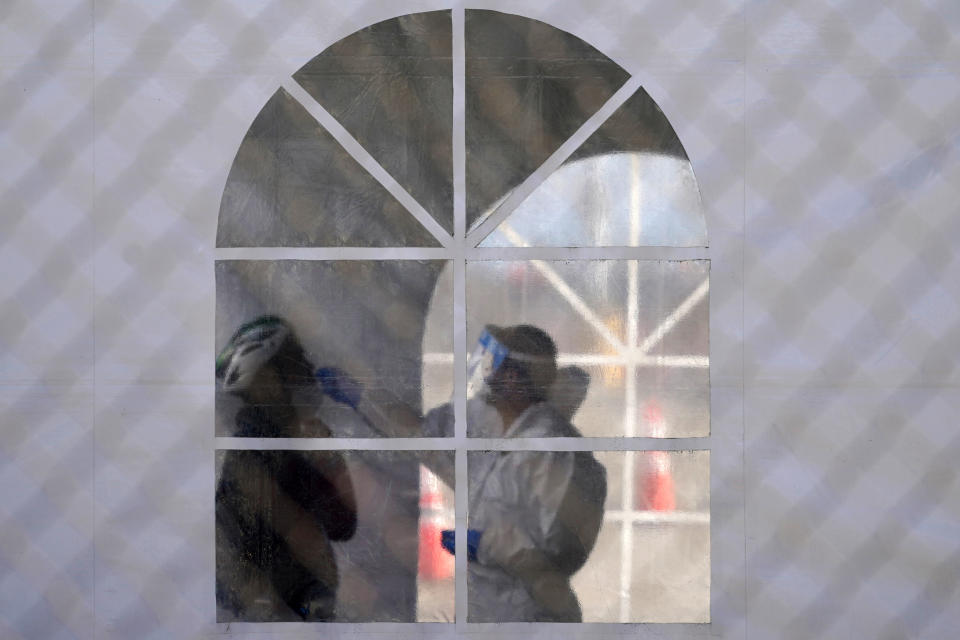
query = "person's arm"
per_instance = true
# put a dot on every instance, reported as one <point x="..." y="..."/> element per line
<point x="341" y="520"/>
<point x="557" y="522"/>
<point x="320" y="482"/>
<point x="390" y="415"/>
<point x="382" y="410"/>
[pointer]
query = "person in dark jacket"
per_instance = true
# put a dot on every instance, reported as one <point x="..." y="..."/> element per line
<point x="276" y="510"/>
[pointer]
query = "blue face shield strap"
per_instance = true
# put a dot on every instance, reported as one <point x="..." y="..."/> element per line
<point x="491" y="354"/>
<point x="487" y="357"/>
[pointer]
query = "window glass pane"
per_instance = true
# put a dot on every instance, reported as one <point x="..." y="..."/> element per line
<point x="293" y="185"/>
<point x="672" y="370"/>
<point x="629" y="184"/>
<point x="360" y="323"/>
<point x="529" y="87"/>
<point x="670" y="565"/>
<point x="661" y="510"/>
<point x="597" y="537"/>
<point x="435" y="567"/>
<point x="391" y="86"/>
<point x="349" y="536"/>
<point x="535" y="517"/>
<point x="631" y="341"/>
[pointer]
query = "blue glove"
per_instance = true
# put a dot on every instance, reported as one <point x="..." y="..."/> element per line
<point x="339" y="386"/>
<point x="448" y="542"/>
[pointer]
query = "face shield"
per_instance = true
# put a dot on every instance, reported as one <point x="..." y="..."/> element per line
<point x="487" y="357"/>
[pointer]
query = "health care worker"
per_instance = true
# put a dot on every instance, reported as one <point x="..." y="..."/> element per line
<point x="534" y="515"/>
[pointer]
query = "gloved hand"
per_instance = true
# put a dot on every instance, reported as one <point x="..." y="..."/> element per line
<point x="448" y="542"/>
<point x="339" y="386"/>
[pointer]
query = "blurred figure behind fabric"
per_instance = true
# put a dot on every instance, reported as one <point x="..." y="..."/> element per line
<point x="276" y="511"/>
<point x="534" y="515"/>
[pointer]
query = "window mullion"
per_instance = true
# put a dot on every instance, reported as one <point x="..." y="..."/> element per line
<point x="461" y="490"/>
<point x="468" y="444"/>
<point x="588" y="253"/>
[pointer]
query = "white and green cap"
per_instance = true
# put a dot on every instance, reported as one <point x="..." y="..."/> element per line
<point x="252" y="346"/>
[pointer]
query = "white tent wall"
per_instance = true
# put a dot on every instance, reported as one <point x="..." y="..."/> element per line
<point x="824" y="136"/>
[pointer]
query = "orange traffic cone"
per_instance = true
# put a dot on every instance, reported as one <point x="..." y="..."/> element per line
<point x="434" y="563"/>
<point x="657" y="490"/>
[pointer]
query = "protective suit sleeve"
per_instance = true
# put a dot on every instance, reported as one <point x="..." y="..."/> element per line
<point x="550" y="513"/>
<point x="438" y="422"/>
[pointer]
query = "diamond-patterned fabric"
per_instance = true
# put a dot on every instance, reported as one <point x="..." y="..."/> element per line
<point x="824" y="136"/>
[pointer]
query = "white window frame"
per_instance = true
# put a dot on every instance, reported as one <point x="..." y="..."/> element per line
<point x="459" y="249"/>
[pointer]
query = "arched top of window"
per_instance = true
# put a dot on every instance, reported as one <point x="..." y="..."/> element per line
<point x="528" y="87"/>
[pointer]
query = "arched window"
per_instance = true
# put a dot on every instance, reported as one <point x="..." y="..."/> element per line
<point x="439" y="172"/>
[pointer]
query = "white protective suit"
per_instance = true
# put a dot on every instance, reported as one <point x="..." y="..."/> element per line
<point x="539" y="513"/>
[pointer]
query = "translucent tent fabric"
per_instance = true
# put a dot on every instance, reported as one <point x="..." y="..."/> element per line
<point x="391" y="86"/>
<point x="629" y="184"/>
<point x="376" y="566"/>
<point x="293" y="185"/>
<point x="668" y="556"/>
<point x="364" y="317"/>
<point x="638" y="328"/>
<point x="529" y="87"/>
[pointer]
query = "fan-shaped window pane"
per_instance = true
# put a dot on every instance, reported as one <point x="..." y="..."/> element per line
<point x="293" y="185"/>
<point x="629" y="184"/>
<point x="391" y="86"/>
<point x="529" y="87"/>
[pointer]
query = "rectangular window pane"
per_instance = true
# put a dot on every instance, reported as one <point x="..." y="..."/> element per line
<point x="613" y="536"/>
<point x="350" y="536"/>
<point x="361" y="322"/>
<point x="638" y="329"/>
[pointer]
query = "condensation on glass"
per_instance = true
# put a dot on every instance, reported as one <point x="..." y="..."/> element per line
<point x="590" y="536"/>
<point x="529" y="87"/>
<point x="628" y="184"/>
<point x="391" y="86"/>
<point x="351" y="536"/>
<point x="293" y="185"/>
<point x="637" y="328"/>
<point x="362" y="319"/>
